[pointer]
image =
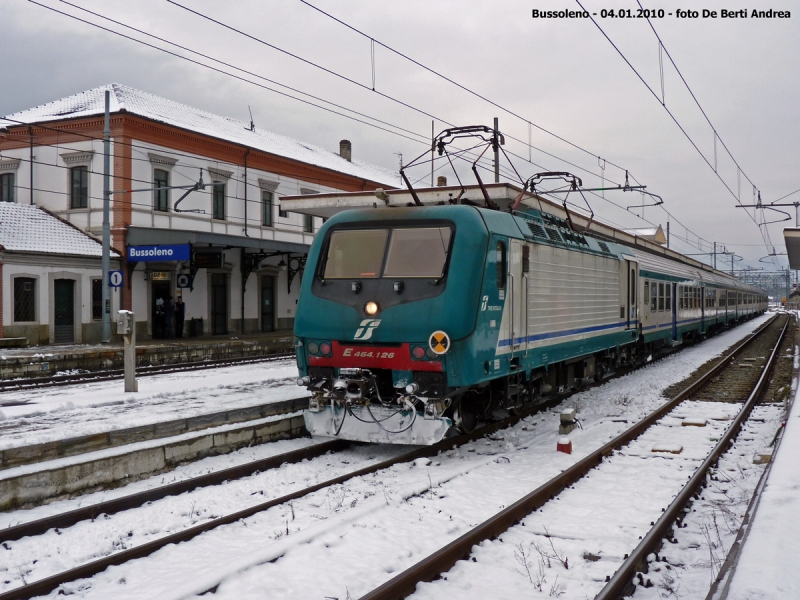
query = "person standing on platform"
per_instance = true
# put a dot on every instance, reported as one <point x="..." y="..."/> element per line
<point x="169" y="319"/>
<point x="180" y="314"/>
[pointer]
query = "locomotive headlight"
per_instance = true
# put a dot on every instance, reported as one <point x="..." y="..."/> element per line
<point x="371" y="308"/>
<point x="313" y="347"/>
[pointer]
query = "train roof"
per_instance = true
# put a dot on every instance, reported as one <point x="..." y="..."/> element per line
<point x="652" y="256"/>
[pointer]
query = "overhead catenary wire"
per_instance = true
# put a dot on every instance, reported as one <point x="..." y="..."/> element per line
<point x="763" y="230"/>
<point x="506" y="174"/>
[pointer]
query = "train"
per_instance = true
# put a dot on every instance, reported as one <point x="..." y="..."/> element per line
<point x="417" y="322"/>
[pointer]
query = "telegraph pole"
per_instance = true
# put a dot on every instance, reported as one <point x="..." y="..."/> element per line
<point x="106" y="224"/>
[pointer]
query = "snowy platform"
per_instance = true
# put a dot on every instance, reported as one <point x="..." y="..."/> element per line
<point x="43" y="361"/>
<point x="54" y="414"/>
<point x="767" y="562"/>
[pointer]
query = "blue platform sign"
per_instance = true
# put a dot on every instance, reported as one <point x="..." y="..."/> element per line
<point x="115" y="279"/>
<point x="158" y="253"/>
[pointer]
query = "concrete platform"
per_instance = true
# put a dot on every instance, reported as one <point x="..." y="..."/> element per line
<point x="763" y="561"/>
<point x="31" y="485"/>
<point x="36" y="453"/>
<point x="43" y="361"/>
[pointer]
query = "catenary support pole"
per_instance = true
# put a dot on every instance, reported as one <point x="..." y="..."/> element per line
<point x="715" y="255"/>
<point x="106" y="337"/>
<point x="496" y="148"/>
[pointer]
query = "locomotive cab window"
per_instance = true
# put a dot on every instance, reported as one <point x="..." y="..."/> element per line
<point x="356" y="253"/>
<point x="417" y="252"/>
<point x="409" y="252"/>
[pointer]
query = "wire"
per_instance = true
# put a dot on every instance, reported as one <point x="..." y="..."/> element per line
<point x="459" y="85"/>
<point x="764" y="232"/>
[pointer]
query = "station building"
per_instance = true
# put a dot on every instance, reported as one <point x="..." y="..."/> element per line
<point x="228" y="250"/>
<point x="50" y="279"/>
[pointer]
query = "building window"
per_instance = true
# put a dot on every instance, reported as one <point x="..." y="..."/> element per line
<point x="161" y="197"/>
<point x="218" y="207"/>
<point x="7" y="187"/>
<point x="308" y="223"/>
<point x="266" y="209"/>
<point x="282" y="213"/>
<point x="24" y="299"/>
<point x="97" y="299"/>
<point x="79" y="187"/>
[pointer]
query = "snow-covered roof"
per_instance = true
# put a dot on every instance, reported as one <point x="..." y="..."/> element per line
<point x="28" y="228"/>
<point x="149" y="106"/>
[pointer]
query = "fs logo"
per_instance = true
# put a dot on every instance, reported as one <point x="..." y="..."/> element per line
<point x="364" y="332"/>
<point x="484" y="303"/>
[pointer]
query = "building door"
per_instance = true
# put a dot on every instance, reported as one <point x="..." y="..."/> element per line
<point x="267" y="304"/>
<point x="64" y="311"/>
<point x="219" y="304"/>
<point x="161" y="293"/>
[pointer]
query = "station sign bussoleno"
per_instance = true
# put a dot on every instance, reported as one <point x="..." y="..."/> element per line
<point x="159" y="253"/>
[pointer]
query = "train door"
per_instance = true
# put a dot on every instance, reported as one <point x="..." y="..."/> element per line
<point x="673" y="310"/>
<point x="630" y="309"/>
<point x="517" y="294"/>
<point x="702" y="309"/>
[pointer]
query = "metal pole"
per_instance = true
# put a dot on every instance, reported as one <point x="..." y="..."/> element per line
<point x="496" y="151"/>
<point x="106" y="224"/>
<point x="433" y="138"/>
<point x="30" y="133"/>
<point x="715" y="255"/>
<point x="668" y="235"/>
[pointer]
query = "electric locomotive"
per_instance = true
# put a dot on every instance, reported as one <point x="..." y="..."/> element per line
<point x="414" y="322"/>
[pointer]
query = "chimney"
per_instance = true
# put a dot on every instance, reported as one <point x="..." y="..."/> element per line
<point x="345" y="150"/>
<point x="441" y="181"/>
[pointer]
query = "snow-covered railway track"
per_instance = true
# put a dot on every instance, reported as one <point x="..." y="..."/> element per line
<point x="266" y="545"/>
<point x="15" y="385"/>
<point x="459" y="568"/>
<point x="55" y="523"/>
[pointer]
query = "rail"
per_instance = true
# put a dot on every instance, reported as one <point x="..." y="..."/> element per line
<point x="431" y="567"/>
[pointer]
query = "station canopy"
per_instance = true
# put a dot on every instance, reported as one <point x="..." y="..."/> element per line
<point x="792" y="238"/>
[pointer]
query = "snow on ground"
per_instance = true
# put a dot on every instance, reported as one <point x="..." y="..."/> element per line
<point x="568" y="547"/>
<point x="353" y="537"/>
<point x="767" y="566"/>
<point x="33" y="558"/>
<point x="63" y="412"/>
<point x="687" y="565"/>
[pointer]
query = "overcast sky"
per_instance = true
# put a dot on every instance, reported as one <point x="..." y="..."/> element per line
<point x="560" y="74"/>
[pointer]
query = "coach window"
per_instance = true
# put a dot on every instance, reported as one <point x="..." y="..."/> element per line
<point x="647" y="291"/>
<point x="660" y="297"/>
<point x="160" y="197"/>
<point x="501" y="265"/>
<point x="653" y="296"/>
<point x="668" y="297"/>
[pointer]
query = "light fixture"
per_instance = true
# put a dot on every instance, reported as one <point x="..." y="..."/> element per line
<point x="371" y="308"/>
<point x="282" y="265"/>
<point x="398" y="286"/>
<point x="355" y="286"/>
